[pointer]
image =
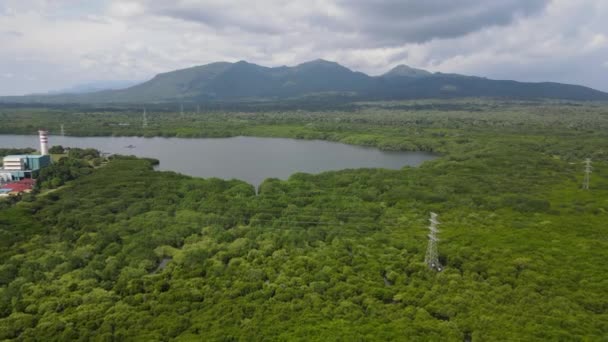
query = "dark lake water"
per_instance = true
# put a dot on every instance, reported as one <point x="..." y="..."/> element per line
<point x="247" y="158"/>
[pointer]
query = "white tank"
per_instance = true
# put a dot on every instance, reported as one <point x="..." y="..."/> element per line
<point x="44" y="142"/>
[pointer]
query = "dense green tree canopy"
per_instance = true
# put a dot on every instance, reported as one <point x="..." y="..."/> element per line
<point x="122" y="252"/>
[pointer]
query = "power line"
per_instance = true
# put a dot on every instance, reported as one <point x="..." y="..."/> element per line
<point x="344" y="218"/>
<point x="293" y="224"/>
<point x="300" y="218"/>
<point x="283" y="211"/>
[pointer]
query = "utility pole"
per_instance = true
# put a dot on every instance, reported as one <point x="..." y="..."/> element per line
<point x="588" y="169"/>
<point x="198" y="109"/>
<point x="144" y="123"/>
<point x="62" y="131"/>
<point x="432" y="256"/>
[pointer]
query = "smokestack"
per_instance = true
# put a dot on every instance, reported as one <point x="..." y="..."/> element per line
<point x="44" y="142"/>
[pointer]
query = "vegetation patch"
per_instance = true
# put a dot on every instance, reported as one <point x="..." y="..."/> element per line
<point x="123" y="252"/>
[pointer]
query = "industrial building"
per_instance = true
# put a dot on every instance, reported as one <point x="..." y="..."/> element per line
<point x="22" y="166"/>
<point x="18" y="170"/>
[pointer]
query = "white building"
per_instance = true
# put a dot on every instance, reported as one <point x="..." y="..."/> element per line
<point x="14" y="163"/>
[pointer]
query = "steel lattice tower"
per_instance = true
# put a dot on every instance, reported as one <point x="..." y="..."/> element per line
<point x="62" y="131"/>
<point x="432" y="256"/>
<point x="587" y="174"/>
<point x="145" y="120"/>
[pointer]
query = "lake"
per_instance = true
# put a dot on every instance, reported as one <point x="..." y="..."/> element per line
<point x="250" y="159"/>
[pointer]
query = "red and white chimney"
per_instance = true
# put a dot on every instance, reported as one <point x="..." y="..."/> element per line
<point x="44" y="142"/>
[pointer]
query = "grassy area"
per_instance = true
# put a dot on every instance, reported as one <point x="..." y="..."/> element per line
<point x="56" y="156"/>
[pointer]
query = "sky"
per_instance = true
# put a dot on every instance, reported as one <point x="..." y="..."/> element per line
<point x="54" y="44"/>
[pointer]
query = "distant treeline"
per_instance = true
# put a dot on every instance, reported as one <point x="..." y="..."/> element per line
<point x="310" y="103"/>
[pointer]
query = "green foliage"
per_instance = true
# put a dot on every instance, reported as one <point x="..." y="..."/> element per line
<point x="62" y="171"/>
<point x="122" y="252"/>
<point x="79" y="153"/>
<point x="57" y="149"/>
<point x="9" y="151"/>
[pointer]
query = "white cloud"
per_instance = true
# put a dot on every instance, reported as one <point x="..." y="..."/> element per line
<point x="597" y="41"/>
<point x="562" y="45"/>
<point x="62" y="42"/>
<point x="125" y="8"/>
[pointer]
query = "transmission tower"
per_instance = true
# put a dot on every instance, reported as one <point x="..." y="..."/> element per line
<point x="144" y="123"/>
<point x="198" y="109"/>
<point x="588" y="169"/>
<point x="62" y="131"/>
<point x="181" y="109"/>
<point x="432" y="256"/>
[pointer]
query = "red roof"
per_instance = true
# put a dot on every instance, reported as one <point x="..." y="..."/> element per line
<point x="20" y="186"/>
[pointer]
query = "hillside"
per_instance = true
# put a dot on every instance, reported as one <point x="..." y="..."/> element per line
<point x="229" y="82"/>
<point x="406" y="71"/>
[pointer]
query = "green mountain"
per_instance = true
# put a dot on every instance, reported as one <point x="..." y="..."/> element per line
<point x="243" y="81"/>
<point x="406" y="71"/>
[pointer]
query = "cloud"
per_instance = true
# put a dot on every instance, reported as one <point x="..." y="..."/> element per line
<point x="379" y="23"/>
<point x="125" y="8"/>
<point x="597" y="41"/>
<point x="14" y="34"/>
<point x="393" y="22"/>
<point x="537" y="49"/>
<point x="62" y="42"/>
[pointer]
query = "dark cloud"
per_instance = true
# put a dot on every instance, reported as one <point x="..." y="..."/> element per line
<point x="397" y="22"/>
<point x="369" y="23"/>
<point x="499" y="10"/>
<point x="220" y="16"/>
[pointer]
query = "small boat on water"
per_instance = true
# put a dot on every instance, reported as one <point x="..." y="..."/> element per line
<point x="130" y="146"/>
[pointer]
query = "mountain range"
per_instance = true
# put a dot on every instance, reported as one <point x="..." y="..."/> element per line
<point x="94" y="86"/>
<point x="243" y="81"/>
